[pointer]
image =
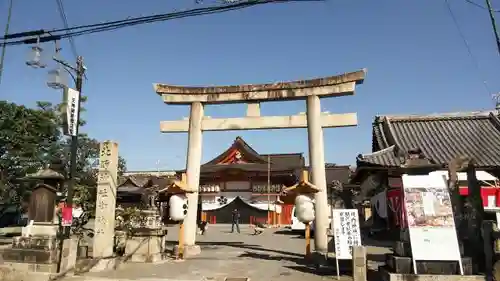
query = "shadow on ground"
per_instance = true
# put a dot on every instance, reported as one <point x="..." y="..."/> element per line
<point x="301" y="264"/>
<point x="289" y="232"/>
<point x="241" y="245"/>
<point x="297" y="234"/>
<point x="298" y="262"/>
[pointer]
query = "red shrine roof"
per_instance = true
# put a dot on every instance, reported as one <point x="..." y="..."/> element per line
<point x="242" y="156"/>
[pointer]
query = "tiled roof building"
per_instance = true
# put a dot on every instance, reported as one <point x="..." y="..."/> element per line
<point x="439" y="138"/>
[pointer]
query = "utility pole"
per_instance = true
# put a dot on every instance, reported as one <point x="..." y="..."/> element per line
<point x="4" y="47"/>
<point x="268" y="189"/>
<point x="493" y="23"/>
<point x="80" y="72"/>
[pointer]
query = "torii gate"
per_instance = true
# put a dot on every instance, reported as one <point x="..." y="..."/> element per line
<point x="253" y="95"/>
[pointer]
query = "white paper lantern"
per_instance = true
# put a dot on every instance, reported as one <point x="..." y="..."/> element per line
<point x="304" y="208"/>
<point x="301" y="199"/>
<point x="178" y="205"/>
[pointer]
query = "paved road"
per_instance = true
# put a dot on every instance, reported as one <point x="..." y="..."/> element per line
<point x="271" y="256"/>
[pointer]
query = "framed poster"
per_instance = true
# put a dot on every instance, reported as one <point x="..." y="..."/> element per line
<point x="430" y="219"/>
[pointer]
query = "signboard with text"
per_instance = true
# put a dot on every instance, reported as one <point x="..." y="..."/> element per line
<point x="264" y="188"/>
<point x="430" y="218"/>
<point x="347" y="232"/>
<point x="69" y="112"/>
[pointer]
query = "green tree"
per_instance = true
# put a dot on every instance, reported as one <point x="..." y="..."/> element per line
<point x="28" y="138"/>
<point x="31" y="138"/>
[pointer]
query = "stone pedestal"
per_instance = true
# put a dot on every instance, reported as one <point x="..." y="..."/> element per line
<point x="146" y="243"/>
<point x="40" y="229"/>
<point x="404" y="265"/>
<point x="36" y="253"/>
<point x="145" y="246"/>
<point x="388" y="275"/>
<point x="401" y="262"/>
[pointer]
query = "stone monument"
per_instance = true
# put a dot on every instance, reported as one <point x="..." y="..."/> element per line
<point x="104" y="226"/>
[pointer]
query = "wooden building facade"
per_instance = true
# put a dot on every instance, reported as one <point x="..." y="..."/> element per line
<point x="432" y="140"/>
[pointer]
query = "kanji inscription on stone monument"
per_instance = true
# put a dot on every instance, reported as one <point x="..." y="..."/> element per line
<point x="104" y="227"/>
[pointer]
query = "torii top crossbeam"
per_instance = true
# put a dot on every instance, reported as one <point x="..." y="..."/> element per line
<point x="340" y="85"/>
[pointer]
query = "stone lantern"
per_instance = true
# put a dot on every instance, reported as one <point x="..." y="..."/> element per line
<point x="38" y="246"/>
<point x="42" y="204"/>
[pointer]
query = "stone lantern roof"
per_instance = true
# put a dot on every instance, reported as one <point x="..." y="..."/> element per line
<point x="45" y="174"/>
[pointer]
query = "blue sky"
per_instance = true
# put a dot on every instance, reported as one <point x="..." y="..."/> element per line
<point x="417" y="63"/>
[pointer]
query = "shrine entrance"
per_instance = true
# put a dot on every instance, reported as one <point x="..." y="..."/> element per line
<point x="314" y="120"/>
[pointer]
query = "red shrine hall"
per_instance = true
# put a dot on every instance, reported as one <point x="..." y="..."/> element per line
<point x="238" y="179"/>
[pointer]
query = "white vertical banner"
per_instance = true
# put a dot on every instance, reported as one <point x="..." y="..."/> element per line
<point x="69" y="112"/>
<point x="347" y="232"/>
<point x="430" y="218"/>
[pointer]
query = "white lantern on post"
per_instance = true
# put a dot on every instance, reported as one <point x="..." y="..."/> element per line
<point x="304" y="205"/>
<point x="178" y="207"/>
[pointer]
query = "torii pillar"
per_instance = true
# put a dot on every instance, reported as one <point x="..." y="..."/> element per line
<point x="314" y="120"/>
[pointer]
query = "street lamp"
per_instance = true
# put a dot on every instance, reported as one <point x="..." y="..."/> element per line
<point x="35" y="60"/>
<point x="57" y="81"/>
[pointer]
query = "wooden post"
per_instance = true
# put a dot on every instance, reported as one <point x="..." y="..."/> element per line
<point x="308" y="240"/>
<point x="180" y="254"/>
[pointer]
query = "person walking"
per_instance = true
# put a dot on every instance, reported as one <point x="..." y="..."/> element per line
<point x="235" y="221"/>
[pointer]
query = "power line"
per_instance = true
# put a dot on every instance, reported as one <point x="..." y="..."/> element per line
<point x="467" y="46"/>
<point x="57" y="34"/>
<point x="480" y="6"/>
<point x="64" y="19"/>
